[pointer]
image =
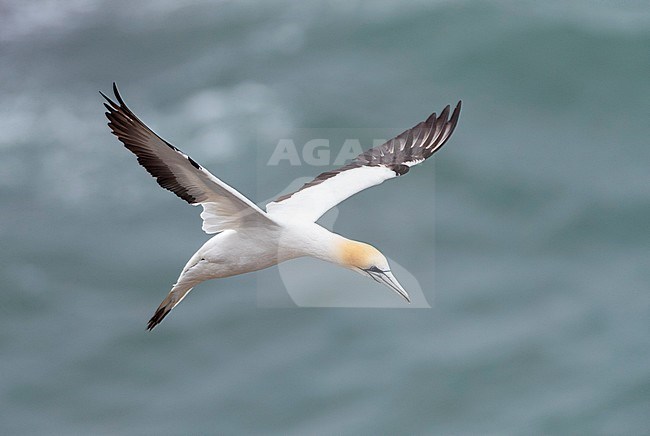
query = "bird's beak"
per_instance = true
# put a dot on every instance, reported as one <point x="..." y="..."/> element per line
<point x="387" y="278"/>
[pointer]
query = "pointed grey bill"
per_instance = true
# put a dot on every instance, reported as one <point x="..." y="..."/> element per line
<point x="388" y="279"/>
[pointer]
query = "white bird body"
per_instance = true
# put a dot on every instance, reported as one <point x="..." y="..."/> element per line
<point x="234" y="252"/>
<point x="248" y="238"/>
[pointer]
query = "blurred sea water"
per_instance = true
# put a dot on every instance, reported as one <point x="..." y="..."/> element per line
<point x="528" y="233"/>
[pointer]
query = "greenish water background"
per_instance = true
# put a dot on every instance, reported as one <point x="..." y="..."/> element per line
<point x="540" y="224"/>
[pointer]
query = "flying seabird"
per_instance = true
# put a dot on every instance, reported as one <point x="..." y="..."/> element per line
<point x="249" y="238"/>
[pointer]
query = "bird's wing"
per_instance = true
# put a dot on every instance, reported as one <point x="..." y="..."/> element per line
<point x="223" y="207"/>
<point x="370" y="168"/>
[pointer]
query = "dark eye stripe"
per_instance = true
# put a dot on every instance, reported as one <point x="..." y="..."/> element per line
<point x="375" y="269"/>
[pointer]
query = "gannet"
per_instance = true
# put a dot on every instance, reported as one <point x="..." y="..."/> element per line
<point x="248" y="238"/>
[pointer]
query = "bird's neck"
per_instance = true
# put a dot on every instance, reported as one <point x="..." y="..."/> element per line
<point x="331" y="247"/>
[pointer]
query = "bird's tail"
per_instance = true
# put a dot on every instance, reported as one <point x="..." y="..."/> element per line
<point x="175" y="296"/>
<point x="190" y="276"/>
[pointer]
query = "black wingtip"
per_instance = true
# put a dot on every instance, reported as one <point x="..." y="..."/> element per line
<point x="452" y="123"/>
<point x="107" y="99"/>
<point x="431" y="119"/>
<point x="117" y="94"/>
<point x="456" y="112"/>
<point x="454" y="117"/>
<point x="444" y="114"/>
